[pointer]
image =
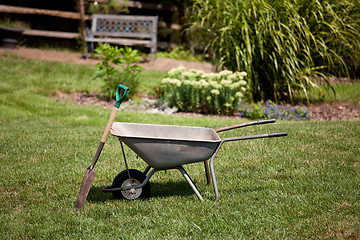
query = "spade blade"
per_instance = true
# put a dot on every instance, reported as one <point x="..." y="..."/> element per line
<point x="85" y="188"/>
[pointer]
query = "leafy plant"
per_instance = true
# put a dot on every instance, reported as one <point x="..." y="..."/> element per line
<point x="6" y="22"/>
<point x="271" y="110"/>
<point x="107" y="7"/>
<point x="180" y="53"/>
<point x="196" y="91"/>
<point x="118" y="66"/>
<point x="281" y="44"/>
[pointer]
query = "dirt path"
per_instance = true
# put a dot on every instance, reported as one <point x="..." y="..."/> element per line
<point x="325" y="111"/>
<point x="160" y="64"/>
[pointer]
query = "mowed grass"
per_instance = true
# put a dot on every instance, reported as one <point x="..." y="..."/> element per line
<point x="348" y="92"/>
<point x="305" y="185"/>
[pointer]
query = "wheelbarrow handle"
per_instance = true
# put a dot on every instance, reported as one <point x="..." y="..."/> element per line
<point x="278" y="134"/>
<point x="267" y="135"/>
<point x="245" y="125"/>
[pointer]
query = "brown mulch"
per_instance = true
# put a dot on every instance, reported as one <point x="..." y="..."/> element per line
<point x="318" y="111"/>
<point x="334" y="111"/>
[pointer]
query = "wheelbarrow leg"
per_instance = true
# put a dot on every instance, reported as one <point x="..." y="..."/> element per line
<point x="212" y="172"/>
<point x="207" y="172"/>
<point x="147" y="169"/>
<point x="190" y="182"/>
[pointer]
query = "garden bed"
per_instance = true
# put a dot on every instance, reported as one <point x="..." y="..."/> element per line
<point x="318" y="111"/>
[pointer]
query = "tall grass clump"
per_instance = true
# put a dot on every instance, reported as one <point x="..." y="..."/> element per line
<point x="195" y="91"/>
<point x="282" y="45"/>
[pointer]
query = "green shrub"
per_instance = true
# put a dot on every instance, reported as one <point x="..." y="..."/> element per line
<point x="180" y="53"/>
<point x="118" y="67"/>
<point x="280" y="44"/>
<point x="107" y="7"/>
<point x="196" y="91"/>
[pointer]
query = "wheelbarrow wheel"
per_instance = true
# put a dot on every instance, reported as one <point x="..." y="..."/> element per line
<point x="136" y="178"/>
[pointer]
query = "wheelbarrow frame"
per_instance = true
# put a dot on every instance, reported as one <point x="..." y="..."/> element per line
<point x="210" y="173"/>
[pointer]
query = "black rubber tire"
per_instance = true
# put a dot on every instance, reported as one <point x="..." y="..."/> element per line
<point x="136" y="176"/>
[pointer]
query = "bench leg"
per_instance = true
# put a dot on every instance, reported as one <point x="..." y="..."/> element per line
<point x="90" y="47"/>
<point x="87" y="51"/>
<point x="152" y="53"/>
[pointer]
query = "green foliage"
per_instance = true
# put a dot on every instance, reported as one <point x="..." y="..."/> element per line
<point x="180" y="53"/>
<point x="117" y="67"/>
<point x="269" y="109"/>
<point x="348" y="92"/>
<point x="281" y="44"/>
<point x="107" y="7"/>
<point x="150" y="80"/>
<point x="196" y="91"/>
<point x="6" y="22"/>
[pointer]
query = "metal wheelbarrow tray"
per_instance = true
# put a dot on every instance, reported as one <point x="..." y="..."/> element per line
<point x="170" y="147"/>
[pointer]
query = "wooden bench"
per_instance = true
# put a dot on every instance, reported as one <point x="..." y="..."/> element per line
<point x="123" y="30"/>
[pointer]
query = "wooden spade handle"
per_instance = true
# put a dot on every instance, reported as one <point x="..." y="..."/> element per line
<point x="119" y="99"/>
<point x="109" y="124"/>
<point x="104" y="137"/>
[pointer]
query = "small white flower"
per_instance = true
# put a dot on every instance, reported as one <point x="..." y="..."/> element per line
<point x="239" y="95"/>
<point x="225" y="73"/>
<point x="165" y="80"/>
<point x="204" y="83"/>
<point x="242" y="82"/>
<point x="209" y="76"/>
<point x="187" y="82"/>
<point x="242" y="74"/>
<point x="214" y="84"/>
<point x="200" y="72"/>
<point x="180" y="69"/>
<point x="233" y="76"/>
<point x="215" y="92"/>
<point x="235" y="85"/>
<point x="225" y="82"/>
<point x="174" y="72"/>
<point x="189" y="75"/>
<point x="175" y="82"/>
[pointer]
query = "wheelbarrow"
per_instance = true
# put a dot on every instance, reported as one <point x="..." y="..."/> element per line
<point x="165" y="147"/>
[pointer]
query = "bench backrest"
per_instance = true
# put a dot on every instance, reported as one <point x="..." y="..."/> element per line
<point x="105" y="25"/>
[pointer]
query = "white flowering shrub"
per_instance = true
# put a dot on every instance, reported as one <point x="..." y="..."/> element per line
<point x="195" y="91"/>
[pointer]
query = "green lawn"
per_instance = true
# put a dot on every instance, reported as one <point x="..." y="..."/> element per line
<point x="343" y="93"/>
<point x="306" y="185"/>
